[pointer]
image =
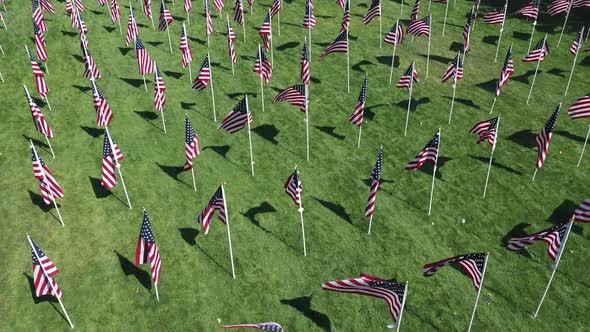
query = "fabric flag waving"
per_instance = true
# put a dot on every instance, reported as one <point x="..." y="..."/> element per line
<point x="209" y="19"/>
<point x="39" y="119"/>
<point x="147" y="8"/>
<point x="395" y="35"/>
<point x="428" y="154"/>
<point x="345" y="18"/>
<point x="50" y="189"/>
<point x="42" y="88"/>
<point x="218" y="5"/>
<point x="581" y="108"/>
<point x="553" y="236"/>
<point x="419" y="27"/>
<point x="507" y="71"/>
<point x="374" y="11"/>
<point x="544" y="137"/>
<point x="165" y="17"/>
<point x="263" y="66"/>
<point x="530" y="9"/>
<point x="410" y="76"/>
<point x="455" y="67"/>
<point x="270" y="326"/>
<point x="467" y="32"/>
<point x="40" y="45"/>
<point x="496" y="16"/>
<point x="486" y="131"/>
<point x="237" y="118"/>
<point x="339" y="45"/>
<point x="204" y="77"/>
<point x="415" y="11"/>
<point x="192" y="145"/>
<point x="294" y="95"/>
<point x="231" y="43"/>
<point x="111" y="156"/>
<point x="43" y="272"/>
<point x="538" y="53"/>
<point x="309" y="19"/>
<point x="557" y="7"/>
<point x="104" y="113"/>
<point x="275" y="8"/>
<point x="115" y="11"/>
<point x="46" y="6"/>
<point x="356" y="118"/>
<point x="146" y="65"/>
<point x="90" y="67"/>
<point x="38" y="16"/>
<point x="577" y="43"/>
<point x="375" y="182"/>
<point x="147" y="251"/>
<point x="294" y="187"/>
<point x="132" y="29"/>
<point x="185" y="48"/>
<point x="266" y="32"/>
<point x="216" y="203"/>
<point x="582" y="213"/>
<point x="159" y="91"/>
<point x="472" y="264"/>
<point x="305" y="71"/>
<point x="239" y="12"/>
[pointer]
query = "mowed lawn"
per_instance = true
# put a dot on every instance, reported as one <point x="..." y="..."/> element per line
<point x="95" y="250"/>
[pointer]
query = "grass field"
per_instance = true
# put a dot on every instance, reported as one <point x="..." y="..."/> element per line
<point x="104" y="291"/>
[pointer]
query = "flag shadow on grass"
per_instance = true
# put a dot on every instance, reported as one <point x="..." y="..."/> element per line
<point x="466" y="102"/>
<point x="357" y="67"/>
<point x="78" y="58"/>
<point x="187" y="106"/>
<point x="524" y="138"/>
<point x="492" y="40"/>
<point x="101" y="192"/>
<point x="521" y="35"/>
<point x="330" y="131"/>
<point x="130" y="269"/>
<point x="38" y="143"/>
<point x="303" y="305"/>
<point x="456" y="47"/>
<point x="124" y="50"/>
<point x="189" y="235"/>
<point x="557" y="72"/>
<point x="38" y="200"/>
<point x="69" y="33"/>
<point x="221" y="150"/>
<point x="174" y="74"/>
<point x="488" y="85"/>
<point x="268" y="132"/>
<point x="155" y="43"/>
<point x="386" y="60"/>
<point x="524" y="78"/>
<point x="265" y="207"/>
<point x="134" y="82"/>
<point x="496" y="164"/>
<point x="585" y="62"/>
<point x="571" y="136"/>
<point x="429" y="167"/>
<point x="415" y="103"/>
<point x="337" y="209"/>
<point x="287" y="46"/>
<point x="197" y="40"/>
<point x="438" y="58"/>
<point x="563" y="213"/>
<point x="517" y="231"/>
<point x="172" y="171"/>
<point x="93" y="132"/>
<point x="82" y="89"/>
<point x="40" y="102"/>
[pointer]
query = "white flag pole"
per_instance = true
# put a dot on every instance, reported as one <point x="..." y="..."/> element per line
<point x="249" y="136"/>
<point x="1" y="50"/>
<point x="244" y="25"/>
<point x="46" y="138"/>
<point x="535" y="76"/>
<point x="483" y="274"/>
<point x="163" y="120"/>
<point x="569" y="228"/>
<point x="118" y="165"/>
<point x="401" y="8"/>
<point x="190" y="71"/>
<point x="50" y="283"/>
<point x="493" y="104"/>
<point x="569" y="8"/>
<point x="485" y="188"/>
<point x="1" y="77"/>
<point x="347" y="60"/>
<point x="360" y="131"/>
<point x="49" y="189"/>
<point x="532" y="34"/>
<point x="212" y="92"/>
<point x="501" y="30"/>
<point x="428" y="55"/>
<point x="445" y="20"/>
<point x="167" y="29"/>
<point x="261" y="66"/>
<point x="228" y="41"/>
<point x="393" y="55"/>
<point x="279" y="17"/>
<point x="534" y="174"/>
<point x="573" y="65"/>
<point x="231" y="253"/>
<point x="272" y="53"/>
<point x="302" y="224"/>
<point x="46" y="67"/>
<point x="307" y="118"/>
<point x="309" y="37"/>
<point x="380" y="25"/>
<point x="370" y="224"/>
<point x="584" y="147"/>
<point x="409" y="99"/>
<point x="119" y="21"/>
<point x="50" y="147"/>
<point x="152" y="18"/>
<point x="454" y="86"/>
<point x="401" y="312"/>
<point x="156" y="288"/>
<point x="433" y="174"/>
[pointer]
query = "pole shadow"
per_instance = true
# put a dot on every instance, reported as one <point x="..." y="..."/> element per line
<point x="525" y="138"/>
<point x="496" y="164"/>
<point x="129" y="268"/>
<point x="330" y="131"/>
<point x="337" y="209"/>
<point x="172" y="171"/>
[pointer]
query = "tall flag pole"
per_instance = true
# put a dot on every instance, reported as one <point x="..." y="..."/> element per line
<point x="428" y="154"/>
<point x="294" y="188"/>
<point x="574" y="49"/>
<point x="581" y="110"/>
<point x="116" y="157"/>
<point x="188" y="5"/>
<point x="115" y="12"/>
<point x="3" y="22"/>
<point x="260" y="75"/>
<point x="483" y="274"/>
<point x="537" y="54"/>
<point x="297" y="95"/>
<point x="429" y="37"/>
<point x="231" y="253"/>
<point x="192" y="147"/>
<point x="496" y="17"/>
<point x="407" y="81"/>
<point x="147" y="251"/>
<point x="488" y="132"/>
<point x="104" y="113"/>
<point x="42" y="87"/>
<point x="231" y="43"/>
<point x="554" y="267"/>
<point x="544" y="139"/>
<point x="569" y="9"/>
<point x="356" y="118"/>
<point x="159" y="94"/>
<point x="307" y="118"/>
<point x="456" y="70"/>
<point x="250" y="135"/>
<point x="309" y="20"/>
<point x="50" y="189"/>
<point x="237" y="119"/>
<point x="395" y="36"/>
<point x="507" y="71"/>
<point x="43" y="272"/>
<point x="239" y="16"/>
<point x="275" y="9"/>
<point x="187" y="53"/>
<point x="467" y="28"/>
<point x="531" y="10"/>
<point x="40" y="121"/>
<point x="165" y="20"/>
<point x="375" y="182"/>
<point x="305" y="70"/>
<point x="446" y="13"/>
<point x="202" y="80"/>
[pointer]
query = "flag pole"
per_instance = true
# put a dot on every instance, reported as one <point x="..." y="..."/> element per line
<point x="163" y="120"/>
<point x="272" y="53"/>
<point x="347" y="60"/>
<point x="532" y="34"/>
<point x="212" y="93"/>
<point x="156" y="288"/>
<point x="53" y="290"/>
<point x="433" y="177"/>
<point x="1" y="77"/>
<point x="152" y="18"/>
<point x="393" y="55"/>
<point x="244" y="25"/>
<point x="46" y="67"/>
<point x="302" y="224"/>
<point x="483" y="274"/>
<point x="501" y="30"/>
<point x="49" y="189"/>
<point x="569" y="228"/>
<point x="583" y="147"/>
<point x="534" y="174"/>
<point x="190" y="71"/>
<point x="454" y="86"/>
<point x="493" y="104"/>
<point x="370" y="224"/>
<point x="380" y="25"/>
<point x="231" y="254"/>
<point x="309" y="37"/>
<point x="360" y="131"/>
<point x="188" y="18"/>
<point x="573" y="64"/>
<point x="1" y="49"/>
<point x="536" y="70"/>
<point x="428" y="55"/>
<point x="48" y="104"/>
<point x="409" y="100"/>
<point x="119" y="21"/>
<point x="445" y="20"/>
<point x="307" y="118"/>
<point x="569" y="9"/>
<point x="118" y="165"/>
<point x="46" y="138"/>
<point x="250" y="136"/>
<point x="167" y="28"/>
<point x="279" y="17"/>
<point x="260" y="64"/>
<point x="228" y="40"/>
<point x="485" y="188"/>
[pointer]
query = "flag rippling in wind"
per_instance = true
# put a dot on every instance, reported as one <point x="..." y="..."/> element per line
<point x="582" y="213"/>
<point x="409" y="77"/>
<point x="132" y="29"/>
<point x="38" y="16"/>
<point x="111" y="156"/>
<point x="209" y="19"/>
<point x="262" y="66"/>
<point x="50" y="189"/>
<point x="42" y="88"/>
<point x="580" y="108"/>
<point x="356" y="118"/>
<point x="375" y="182"/>
<point x="373" y="12"/>
<point x="496" y="16"/>
<point x="266" y="32"/>
<point x="159" y="91"/>
<point x="345" y="18"/>
<point x="419" y="27"/>
<point x="147" y="251"/>
<point x="39" y="119"/>
<point x="530" y="9"/>
<point x="507" y="71"/>
<point x="553" y="236"/>
<point x="46" y="6"/>
<point x="455" y="69"/>
<point x="538" y="53"/>
<point x="40" y="45"/>
<point x="115" y="11"/>
<point x="185" y="49"/>
<point x="428" y="154"/>
<point x="472" y="264"/>
<point x="395" y="36"/>
<point x="104" y="113"/>
<point x="192" y="145"/>
<point x="339" y="45"/>
<point x="90" y="67"/>
<point x="544" y="137"/>
<point x="577" y="43"/>
<point x="467" y="32"/>
<point x="43" y="272"/>
<point x="294" y="95"/>
<point x="216" y="203"/>
<point x="487" y="131"/>
<point x="231" y="43"/>
<point x="309" y="19"/>
<point x="239" y="12"/>
<point x="294" y="187"/>
<point x="202" y="80"/>
<point x="275" y="8"/>
<point x="415" y="11"/>
<point x="305" y="71"/>
<point x="237" y="118"/>
<point x="146" y="65"/>
<point x="557" y="7"/>
<point x="165" y="17"/>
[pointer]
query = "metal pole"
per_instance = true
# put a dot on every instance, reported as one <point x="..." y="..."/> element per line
<point x="569" y="8"/>
<point x="533" y="83"/>
<point x="433" y="175"/>
<point x="231" y="254"/>
<point x="532" y="34"/>
<point x="583" y="147"/>
<point x="445" y="21"/>
<point x="307" y="119"/>
<point x="573" y="65"/>
<point x="428" y="55"/>
<point x="303" y="231"/>
<point x="483" y="274"/>
<point x="249" y="136"/>
<point x="491" y="157"/>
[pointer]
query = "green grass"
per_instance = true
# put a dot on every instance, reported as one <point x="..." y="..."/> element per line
<point x="274" y="281"/>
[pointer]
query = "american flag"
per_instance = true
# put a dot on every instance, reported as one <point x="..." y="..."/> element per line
<point x="165" y="17"/>
<point x="341" y="3"/>
<point x="580" y="4"/>
<point x="467" y="32"/>
<point x="356" y="118"/>
<point x="147" y="8"/>
<point x="294" y="187"/>
<point x="40" y="45"/>
<point x="237" y="118"/>
<point x="496" y="16"/>
<point x="231" y="43"/>
<point x="407" y="80"/>
<point x="375" y="181"/>
<point x="294" y="95"/>
<point x="38" y="16"/>
<point x="202" y="80"/>
<point x="115" y="11"/>
<point x="415" y="11"/>
<point x="111" y="156"/>
<point x="374" y="11"/>
<point x="46" y="5"/>
<point x="395" y="36"/>
<point x="192" y="145"/>
<point x="270" y="326"/>
<point x="188" y="5"/>
<point x="345" y="18"/>
<point x="538" y="53"/>
<point x="239" y="12"/>
<point x="69" y="6"/>
<point x="159" y="91"/>
<point x="219" y="5"/>
<point x="577" y="42"/>
<point x="43" y="272"/>
<point x="50" y="189"/>
<point x="185" y="49"/>
<point x="216" y="203"/>
<point x="472" y="264"/>
<point x="553" y="236"/>
<point x="262" y="65"/>
<point x="266" y="32"/>
<point x="428" y="154"/>
<point x="305" y="72"/>
<point x="275" y="8"/>
<point x="251" y="3"/>
<point x="39" y="119"/>
<point x="132" y="30"/>
<point x="507" y="70"/>
<point x="104" y="113"/>
<point x="530" y="9"/>
<point x="419" y="27"/>
<point x="557" y="7"/>
<point x="309" y="19"/>
<point x="81" y="25"/>
<point x="146" y="65"/>
<point x="209" y="29"/>
<point x="392" y="292"/>
<point x="102" y="2"/>
<point x="90" y="67"/>
<point x="487" y="131"/>
<point x="582" y="213"/>
<point x="73" y="16"/>
<point x="581" y="108"/>
<point x="544" y="137"/>
<point x="455" y="68"/>
<point x="39" y="76"/>
<point x="340" y="44"/>
<point x="147" y="249"/>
